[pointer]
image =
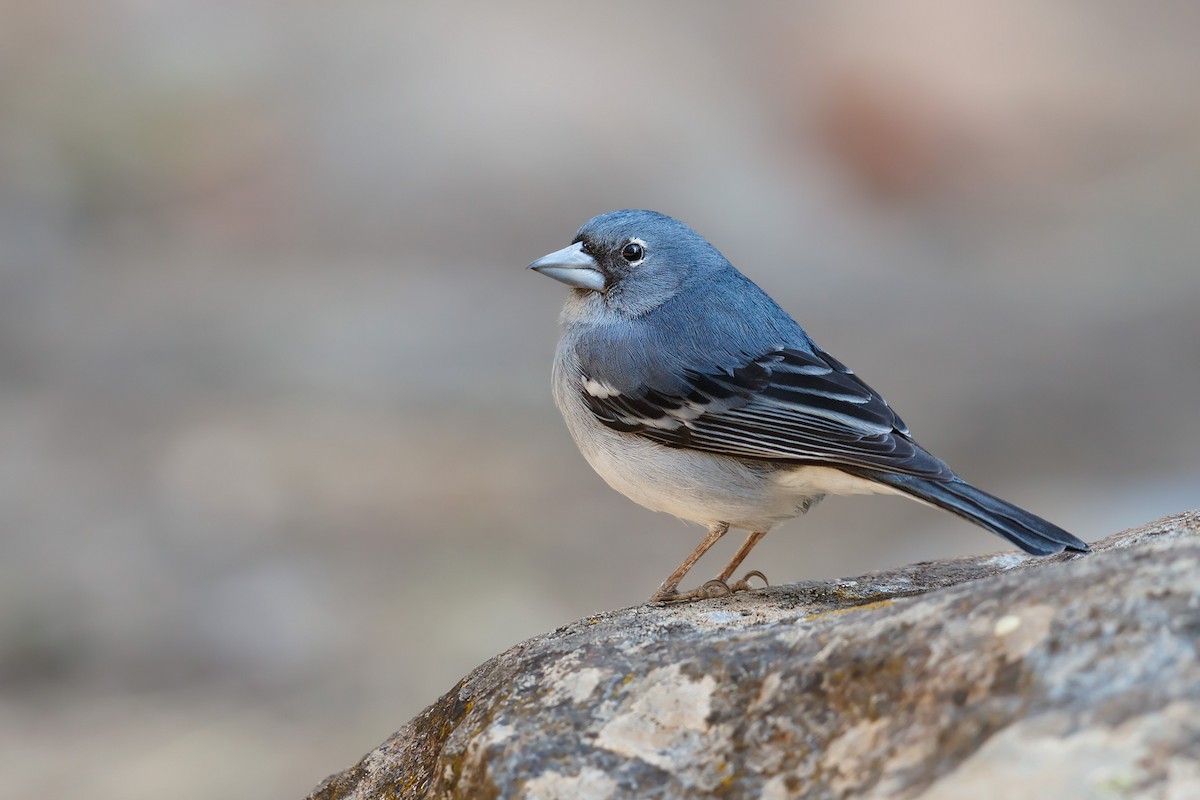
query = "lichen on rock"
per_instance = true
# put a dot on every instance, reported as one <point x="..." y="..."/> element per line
<point x="997" y="676"/>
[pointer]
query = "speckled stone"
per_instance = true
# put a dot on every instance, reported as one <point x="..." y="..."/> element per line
<point x="1000" y="676"/>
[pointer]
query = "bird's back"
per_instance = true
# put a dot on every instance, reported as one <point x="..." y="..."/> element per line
<point x="722" y="321"/>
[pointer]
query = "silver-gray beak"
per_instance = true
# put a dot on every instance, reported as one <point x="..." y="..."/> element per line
<point x="572" y="266"/>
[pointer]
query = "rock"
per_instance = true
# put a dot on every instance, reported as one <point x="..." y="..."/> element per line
<point x="997" y="676"/>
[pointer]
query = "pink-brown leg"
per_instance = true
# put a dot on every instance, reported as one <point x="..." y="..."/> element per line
<point x="668" y="590"/>
<point x="735" y="562"/>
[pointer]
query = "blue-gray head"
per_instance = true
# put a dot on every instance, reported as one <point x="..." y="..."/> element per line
<point x="637" y="260"/>
<point x="654" y="302"/>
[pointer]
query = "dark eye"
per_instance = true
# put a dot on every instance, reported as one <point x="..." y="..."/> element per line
<point x="633" y="252"/>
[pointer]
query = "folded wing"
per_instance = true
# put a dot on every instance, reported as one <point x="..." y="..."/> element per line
<point x="787" y="405"/>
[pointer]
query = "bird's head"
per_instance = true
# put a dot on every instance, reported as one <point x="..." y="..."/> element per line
<point x="634" y="260"/>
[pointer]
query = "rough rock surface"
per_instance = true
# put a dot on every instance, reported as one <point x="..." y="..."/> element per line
<point x="998" y="676"/>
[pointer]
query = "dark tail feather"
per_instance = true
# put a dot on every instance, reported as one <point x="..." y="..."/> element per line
<point x="1027" y="531"/>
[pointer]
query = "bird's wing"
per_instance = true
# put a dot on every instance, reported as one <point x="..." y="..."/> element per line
<point x="787" y="405"/>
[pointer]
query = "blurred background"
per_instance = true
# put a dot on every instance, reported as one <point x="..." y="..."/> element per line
<point x="278" y="457"/>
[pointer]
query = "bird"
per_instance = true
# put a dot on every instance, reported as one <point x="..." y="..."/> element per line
<point x="692" y="392"/>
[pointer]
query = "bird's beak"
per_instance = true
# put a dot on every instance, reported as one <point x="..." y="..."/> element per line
<point x="573" y="267"/>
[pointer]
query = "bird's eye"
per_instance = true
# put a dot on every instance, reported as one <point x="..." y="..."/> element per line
<point x="633" y="252"/>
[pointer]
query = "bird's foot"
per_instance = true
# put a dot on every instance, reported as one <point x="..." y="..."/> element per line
<point x="710" y="589"/>
<point x="744" y="584"/>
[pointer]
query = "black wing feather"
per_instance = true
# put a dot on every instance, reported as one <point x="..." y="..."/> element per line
<point x="788" y="405"/>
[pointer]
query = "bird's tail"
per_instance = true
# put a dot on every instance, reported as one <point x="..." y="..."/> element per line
<point x="1027" y="531"/>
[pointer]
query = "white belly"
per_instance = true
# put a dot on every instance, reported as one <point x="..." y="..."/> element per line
<point x="697" y="486"/>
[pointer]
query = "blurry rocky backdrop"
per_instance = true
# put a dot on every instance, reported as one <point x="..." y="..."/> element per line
<point x="278" y="457"/>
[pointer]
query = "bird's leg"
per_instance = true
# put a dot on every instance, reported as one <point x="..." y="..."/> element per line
<point x="738" y="557"/>
<point x="668" y="590"/>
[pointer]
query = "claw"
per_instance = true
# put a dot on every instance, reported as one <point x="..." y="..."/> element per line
<point x="716" y="588"/>
<point x="756" y="574"/>
<point x="744" y="584"/>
